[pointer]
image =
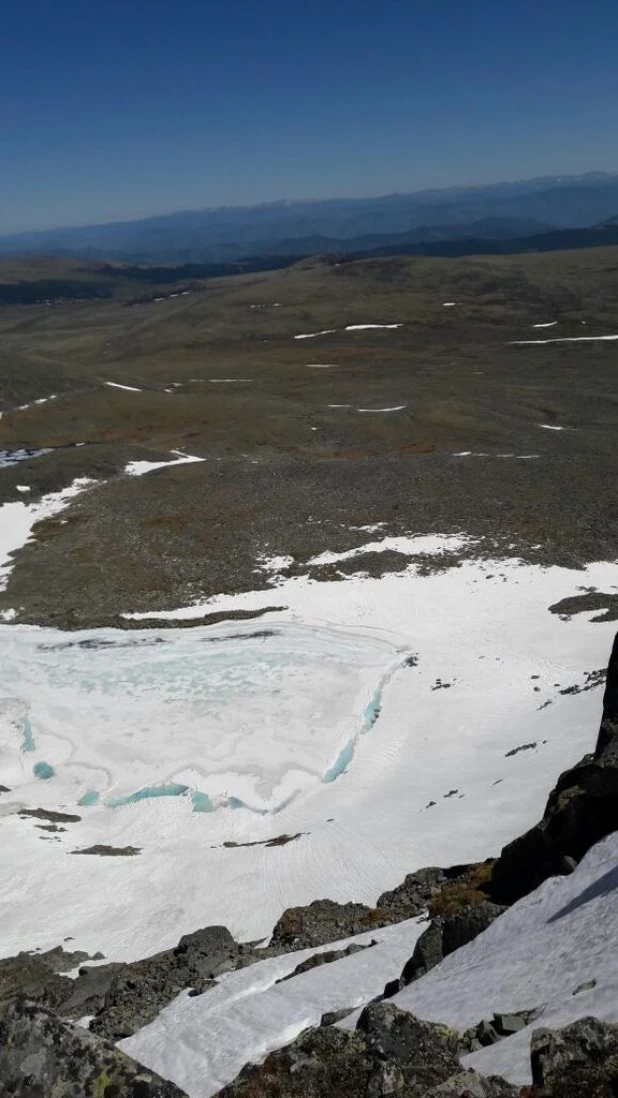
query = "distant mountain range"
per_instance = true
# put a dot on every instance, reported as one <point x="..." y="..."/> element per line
<point x="503" y="211"/>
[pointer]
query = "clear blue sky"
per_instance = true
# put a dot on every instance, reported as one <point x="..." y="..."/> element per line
<point x="113" y="110"/>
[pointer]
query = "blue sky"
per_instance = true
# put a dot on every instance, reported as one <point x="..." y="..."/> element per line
<point x="113" y="110"/>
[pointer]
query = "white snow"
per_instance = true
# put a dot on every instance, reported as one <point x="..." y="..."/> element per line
<point x="227" y="380"/>
<point x="139" y="468"/>
<point x="23" y="487"/>
<point x="448" y="304"/>
<point x="312" y="712"/>
<point x="365" y="327"/>
<point x="537" y="954"/>
<point x="17" y="520"/>
<point x="127" y="388"/>
<point x="563" y="339"/>
<point x="201" y="1043"/>
<point x="320" y="366"/>
<point x="41" y="400"/>
<point x="348" y="328"/>
<point x="313" y="335"/>
<point x="551" y="427"/>
<point x="548" y="324"/>
<point x="274" y="565"/>
<point x="394" y="408"/>
<point x="410" y="546"/>
<point x="472" y="453"/>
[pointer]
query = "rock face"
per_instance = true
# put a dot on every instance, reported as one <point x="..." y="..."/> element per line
<point x="581" y="810"/>
<point x="443" y="936"/>
<point x="43" y="1057"/>
<point x="579" y="1061"/>
<point x="390" y="1053"/>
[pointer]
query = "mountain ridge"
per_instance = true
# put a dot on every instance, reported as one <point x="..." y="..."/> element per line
<point x="222" y="233"/>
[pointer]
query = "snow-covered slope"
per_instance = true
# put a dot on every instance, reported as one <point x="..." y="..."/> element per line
<point x="201" y="1043"/>
<point x="537" y="954"/>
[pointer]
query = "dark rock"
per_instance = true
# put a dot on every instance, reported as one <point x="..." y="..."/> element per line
<point x="507" y="1024"/>
<point x="587" y="986"/>
<point x="413" y="896"/>
<point x="390" y="1053"/>
<point x="469" y="1084"/>
<point x="425" y="1053"/>
<point x="137" y="992"/>
<point x="333" y="1016"/>
<point x="110" y="851"/>
<point x="325" y="958"/>
<point x="325" y="921"/>
<point x="43" y="1057"/>
<point x="28" y="976"/>
<point x="581" y="810"/>
<point x="4" y="789"/>
<point x="49" y="815"/>
<point x="486" y="1033"/>
<point x="580" y="1060"/>
<point x="444" y="935"/>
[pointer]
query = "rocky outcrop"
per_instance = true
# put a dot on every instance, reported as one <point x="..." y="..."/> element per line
<point x="123" y="997"/>
<point x="443" y="936"/>
<point x="389" y="1053"/>
<point x="139" y="991"/>
<point x="581" y="810"/>
<point x="44" y="1057"/>
<point x="579" y="1061"/>
<point x="321" y="922"/>
<point x="326" y="921"/>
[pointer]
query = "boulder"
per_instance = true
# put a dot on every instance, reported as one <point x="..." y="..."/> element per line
<point x="580" y="1060"/>
<point x="44" y="1057"/>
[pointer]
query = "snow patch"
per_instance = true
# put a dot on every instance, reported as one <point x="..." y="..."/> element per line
<point x="127" y="388"/>
<point x="139" y="468"/>
<point x="563" y="339"/>
<point x="17" y="520"/>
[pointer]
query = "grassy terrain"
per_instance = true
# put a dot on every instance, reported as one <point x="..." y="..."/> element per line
<point x="285" y="471"/>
